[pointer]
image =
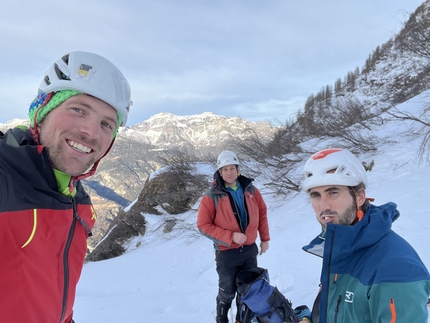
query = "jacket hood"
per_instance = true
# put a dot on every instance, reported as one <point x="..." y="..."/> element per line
<point x="375" y="224"/>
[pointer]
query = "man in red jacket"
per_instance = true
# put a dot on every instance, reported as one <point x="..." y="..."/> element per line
<point x="45" y="214"/>
<point x="231" y="214"/>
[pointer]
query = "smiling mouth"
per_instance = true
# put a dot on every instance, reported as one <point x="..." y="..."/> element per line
<point x="79" y="147"/>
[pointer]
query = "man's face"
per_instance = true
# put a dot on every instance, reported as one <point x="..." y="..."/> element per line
<point x="229" y="174"/>
<point x="333" y="204"/>
<point x="77" y="133"/>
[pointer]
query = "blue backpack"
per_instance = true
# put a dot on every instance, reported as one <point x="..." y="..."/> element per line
<point x="261" y="302"/>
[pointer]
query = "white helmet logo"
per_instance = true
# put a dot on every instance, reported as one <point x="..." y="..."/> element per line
<point x="84" y="71"/>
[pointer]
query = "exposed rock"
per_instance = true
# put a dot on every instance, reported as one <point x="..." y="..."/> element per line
<point x="170" y="224"/>
<point x="173" y="191"/>
<point x="126" y="226"/>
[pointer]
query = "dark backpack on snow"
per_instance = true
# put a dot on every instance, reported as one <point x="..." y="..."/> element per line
<point x="265" y="301"/>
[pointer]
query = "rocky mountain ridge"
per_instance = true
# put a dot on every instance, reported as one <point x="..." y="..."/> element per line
<point x="199" y="131"/>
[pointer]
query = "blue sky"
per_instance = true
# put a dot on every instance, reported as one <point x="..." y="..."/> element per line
<point x="256" y="59"/>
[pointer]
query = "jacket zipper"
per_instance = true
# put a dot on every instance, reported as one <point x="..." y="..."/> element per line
<point x="393" y="311"/>
<point x="236" y="212"/>
<point x="235" y="209"/>
<point x="66" y="261"/>
<point x="328" y="281"/>
<point x="76" y="218"/>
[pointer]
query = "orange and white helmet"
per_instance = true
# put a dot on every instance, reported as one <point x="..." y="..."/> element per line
<point x="333" y="166"/>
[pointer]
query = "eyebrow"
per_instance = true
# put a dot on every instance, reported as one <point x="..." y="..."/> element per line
<point x="91" y="108"/>
<point x="331" y="188"/>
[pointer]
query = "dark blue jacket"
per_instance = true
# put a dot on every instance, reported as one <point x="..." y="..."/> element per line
<point x="369" y="273"/>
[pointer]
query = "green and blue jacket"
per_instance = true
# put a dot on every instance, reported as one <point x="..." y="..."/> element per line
<point x="370" y="273"/>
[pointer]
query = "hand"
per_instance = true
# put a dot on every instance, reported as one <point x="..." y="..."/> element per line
<point x="239" y="238"/>
<point x="264" y="245"/>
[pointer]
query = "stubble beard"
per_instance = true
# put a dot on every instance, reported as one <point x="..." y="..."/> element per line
<point x="349" y="216"/>
<point x="67" y="165"/>
<point x="61" y="161"/>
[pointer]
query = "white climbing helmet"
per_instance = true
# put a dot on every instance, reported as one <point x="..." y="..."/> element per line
<point x="333" y="166"/>
<point x="91" y="74"/>
<point x="227" y="157"/>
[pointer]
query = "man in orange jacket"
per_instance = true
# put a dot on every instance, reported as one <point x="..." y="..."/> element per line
<point x="231" y="214"/>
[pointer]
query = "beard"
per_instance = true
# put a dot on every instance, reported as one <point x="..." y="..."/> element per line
<point x="65" y="162"/>
<point x="72" y="167"/>
<point x="348" y="218"/>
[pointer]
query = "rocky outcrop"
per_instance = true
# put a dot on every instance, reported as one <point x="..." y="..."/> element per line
<point x="172" y="191"/>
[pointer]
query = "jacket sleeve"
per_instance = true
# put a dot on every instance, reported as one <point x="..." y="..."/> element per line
<point x="399" y="302"/>
<point x="206" y="223"/>
<point x="263" y="223"/>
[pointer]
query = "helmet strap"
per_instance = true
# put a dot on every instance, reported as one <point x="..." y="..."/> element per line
<point x="359" y="213"/>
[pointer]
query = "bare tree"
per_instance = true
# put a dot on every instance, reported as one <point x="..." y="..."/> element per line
<point x="274" y="161"/>
<point x="350" y="120"/>
<point x="420" y="127"/>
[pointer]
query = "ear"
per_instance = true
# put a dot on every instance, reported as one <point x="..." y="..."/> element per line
<point x="360" y="197"/>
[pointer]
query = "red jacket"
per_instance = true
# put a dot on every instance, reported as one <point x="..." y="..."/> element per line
<point x="42" y="236"/>
<point x="217" y="221"/>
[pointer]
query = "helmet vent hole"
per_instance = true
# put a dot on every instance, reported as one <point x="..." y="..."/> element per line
<point x="65" y="58"/>
<point x="47" y="80"/>
<point x="60" y="74"/>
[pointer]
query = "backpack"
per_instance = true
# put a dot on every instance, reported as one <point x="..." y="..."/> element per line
<point x="265" y="301"/>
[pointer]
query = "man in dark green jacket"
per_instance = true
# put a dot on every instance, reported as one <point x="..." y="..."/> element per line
<point x="45" y="214"/>
<point x="369" y="273"/>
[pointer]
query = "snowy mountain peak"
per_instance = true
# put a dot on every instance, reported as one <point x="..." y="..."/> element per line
<point x="206" y="129"/>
